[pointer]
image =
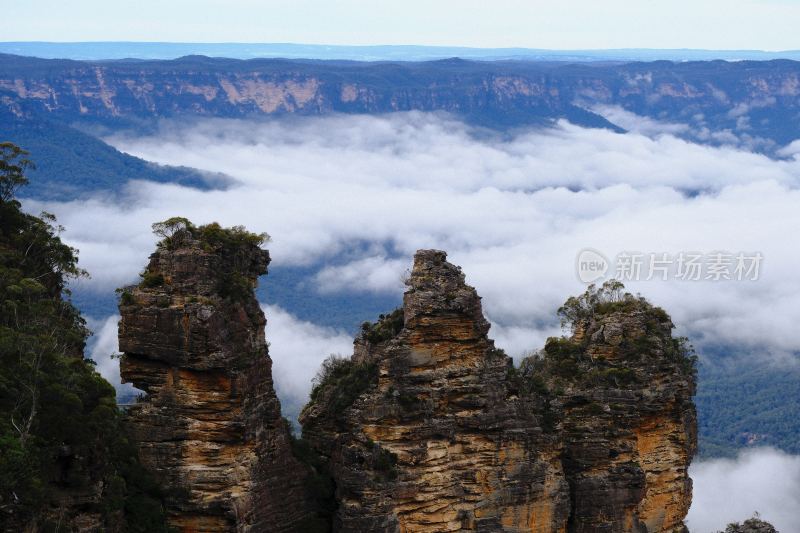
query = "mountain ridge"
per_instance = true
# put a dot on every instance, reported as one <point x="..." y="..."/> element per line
<point x="749" y="99"/>
<point x="407" y="52"/>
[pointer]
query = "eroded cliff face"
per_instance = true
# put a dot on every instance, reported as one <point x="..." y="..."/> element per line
<point x="429" y="427"/>
<point x="437" y="441"/>
<point x="629" y="424"/>
<point x="759" y="98"/>
<point x="209" y="427"/>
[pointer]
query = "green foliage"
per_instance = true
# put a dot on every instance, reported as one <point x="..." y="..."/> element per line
<point x="744" y="401"/>
<point x="682" y="351"/>
<point x="529" y="379"/>
<point x="235" y="286"/>
<point x="151" y="280"/>
<point x="13" y="163"/>
<point x="218" y="238"/>
<point x="126" y="297"/>
<point x="751" y="525"/>
<point x="174" y="232"/>
<point x="341" y="381"/>
<point x="606" y="299"/>
<point x="566" y="357"/>
<point x="387" y="327"/>
<point x="233" y="244"/>
<point x="60" y="429"/>
<point x="563" y="355"/>
<point x="71" y="163"/>
<point x="580" y="308"/>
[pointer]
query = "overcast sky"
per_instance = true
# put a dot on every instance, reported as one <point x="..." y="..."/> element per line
<point x="569" y="24"/>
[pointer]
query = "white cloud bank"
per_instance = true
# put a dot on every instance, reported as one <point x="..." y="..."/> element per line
<point x="104" y="346"/>
<point x="760" y="480"/>
<point x="514" y="213"/>
<point x="297" y="348"/>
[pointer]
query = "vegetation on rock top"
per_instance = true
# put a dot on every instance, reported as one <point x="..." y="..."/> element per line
<point x="387" y="327"/>
<point x="565" y="358"/>
<point x="233" y="245"/>
<point x="340" y="381"/>
<point x="751" y="525"/>
<point x="177" y="232"/>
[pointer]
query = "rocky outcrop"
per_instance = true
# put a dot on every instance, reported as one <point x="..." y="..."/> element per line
<point x="429" y="427"/>
<point x="209" y="425"/>
<point x="751" y="525"/>
<point x="436" y="441"/>
<point x="629" y="424"/>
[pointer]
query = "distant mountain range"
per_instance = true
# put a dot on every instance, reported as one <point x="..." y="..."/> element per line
<point x="757" y="99"/>
<point x="156" y="50"/>
<point x="750" y="103"/>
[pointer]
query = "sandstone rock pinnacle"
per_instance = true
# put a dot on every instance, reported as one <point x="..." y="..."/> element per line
<point x="209" y="425"/>
<point x="429" y="427"/>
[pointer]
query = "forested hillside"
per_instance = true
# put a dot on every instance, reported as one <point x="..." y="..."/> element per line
<point x="65" y="457"/>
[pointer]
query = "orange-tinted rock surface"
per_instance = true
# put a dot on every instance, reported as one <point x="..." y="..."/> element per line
<point x="429" y="427"/>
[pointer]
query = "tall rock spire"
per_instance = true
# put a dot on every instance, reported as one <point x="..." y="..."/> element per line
<point x="209" y="424"/>
<point x="433" y="438"/>
<point x="629" y="422"/>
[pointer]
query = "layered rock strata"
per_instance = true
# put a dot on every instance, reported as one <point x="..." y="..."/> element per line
<point x="209" y="424"/>
<point x="438" y="441"/>
<point x="429" y="427"/>
<point x="629" y="424"/>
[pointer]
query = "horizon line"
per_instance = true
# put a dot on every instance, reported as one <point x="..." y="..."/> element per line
<point x="409" y="45"/>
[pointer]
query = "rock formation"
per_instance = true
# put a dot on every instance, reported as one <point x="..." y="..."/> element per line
<point x="429" y="427"/>
<point x="209" y="424"/>
<point x="628" y="420"/>
<point x="435" y="443"/>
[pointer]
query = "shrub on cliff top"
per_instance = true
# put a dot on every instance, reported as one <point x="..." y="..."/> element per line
<point x="340" y="381"/>
<point x="751" y="525"/>
<point x="609" y="298"/>
<point x="176" y="232"/>
<point x="566" y="357"/>
<point x="387" y="327"/>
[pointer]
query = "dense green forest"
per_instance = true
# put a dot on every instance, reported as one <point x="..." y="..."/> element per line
<point x="747" y="402"/>
<point x="71" y="163"/>
<point x="64" y="451"/>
